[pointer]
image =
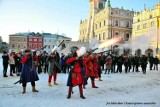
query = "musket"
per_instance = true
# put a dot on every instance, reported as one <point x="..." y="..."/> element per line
<point x="91" y="51"/>
<point x="61" y="43"/>
<point x="104" y="51"/>
<point x="19" y="81"/>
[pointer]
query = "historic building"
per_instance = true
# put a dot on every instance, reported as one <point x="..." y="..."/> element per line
<point x="35" y="41"/>
<point x="18" y="41"/>
<point x="146" y="27"/>
<point x="53" y="39"/>
<point x="106" y="22"/>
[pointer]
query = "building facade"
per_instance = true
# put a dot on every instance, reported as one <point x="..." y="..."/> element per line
<point x="106" y="22"/>
<point x="18" y="41"/>
<point x="52" y="40"/>
<point x="35" y="41"/>
<point x="146" y="26"/>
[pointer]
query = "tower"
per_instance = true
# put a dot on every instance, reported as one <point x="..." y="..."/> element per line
<point x="95" y="7"/>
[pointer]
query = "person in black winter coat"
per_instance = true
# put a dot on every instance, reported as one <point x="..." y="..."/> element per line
<point x="156" y="62"/>
<point x="5" y="58"/>
<point x="143" y="62"/>
<point x="151" y="61"/>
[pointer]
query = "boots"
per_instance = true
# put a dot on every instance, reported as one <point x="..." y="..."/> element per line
<point x="55" y="83"/>
<point x="24" y="90"/>
<point x="49" y="84"/>
<point x="34" y="90"/>
<point x="93" y="84"/>
<point x="11" y="74"/>
<point x="100" y="79"/>
<point x="81" y="92"/>
<point x="84" y="87"/>
<point x="69" y="92"/>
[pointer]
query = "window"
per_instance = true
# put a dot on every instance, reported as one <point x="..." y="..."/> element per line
<point x="100" y="24"/>
<point x="24" y="46"/>
<point x="138" y="20"/>
<point x="116" y="34"/>
<point x="50" y="40"/>
<point x="12" y="38"/>
<point x="104" y="36"/>
<point x="99" y="36"/>
<point x="18" y="39"/>
<point x="152" y="24"/>
<point x="152" y="38"/>
<point x="127" y="13"/>
<point x="30" y="39"/>
<point x="40" y="40"/>
<point x="144" y="26"/>
<point x="150" y="16"/>
<point x="48" y="46"/>
<point x="104" y="23"/>
<point x="35" y="40"/>
<point x="12" y="45"/>
<point x="116" y="22"/>
<point x="116" y="11"/>
<point x="30" y="46"/>
<point x="138" y="27"/>
<point x="19" y="46"/>
<point x="127" y="37"/>
<point x="24" y="39"/>
<point x="127" y="23"/>
<point x="35" y="45"/>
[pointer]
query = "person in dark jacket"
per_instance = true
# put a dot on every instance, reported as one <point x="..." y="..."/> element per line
<point x="151" y="61"/>
<point x="63" y="65"/>
<point x="5" y="58"/>
<point x="156" y="62"/>
<point x="143" y="62"/>
<point x="18" y="63"/>
<point x="29" y="73"/>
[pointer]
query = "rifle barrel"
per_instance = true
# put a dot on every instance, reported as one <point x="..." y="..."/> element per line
<point x="60" y="43"/>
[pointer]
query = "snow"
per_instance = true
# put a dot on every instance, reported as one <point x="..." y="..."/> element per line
<point x="115" y="88"/>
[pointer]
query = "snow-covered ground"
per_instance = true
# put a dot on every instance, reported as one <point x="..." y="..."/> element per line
<point x="134" y="88"/>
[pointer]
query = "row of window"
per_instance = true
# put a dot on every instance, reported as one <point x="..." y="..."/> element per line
<point x="50" y="40"/>
<point x="145" y="25"/>
<point x="36" y="46"/>
<point x="116" y="23"/>
<point x="35" y="40"/>
<point x="18" y="45"/>
<point x="121" y="13"/>
<point x="103" y="36"/>
<point x="18" y="39"/>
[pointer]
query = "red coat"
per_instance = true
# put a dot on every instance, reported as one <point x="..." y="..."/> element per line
<point x="75" y="76"/>
<point x="89" y="67"/>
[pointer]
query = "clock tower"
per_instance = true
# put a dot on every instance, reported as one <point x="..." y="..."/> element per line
<point x="95" y="7"/>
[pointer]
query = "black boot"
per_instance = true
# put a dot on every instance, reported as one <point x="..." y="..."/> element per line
<point x="81" y="92"/>
<point x="69" y="92"/>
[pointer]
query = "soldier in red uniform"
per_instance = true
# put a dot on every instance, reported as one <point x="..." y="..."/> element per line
<point x="75" y="76"/>
<point x="89" y="67"/>
<point x="97" y="67"/>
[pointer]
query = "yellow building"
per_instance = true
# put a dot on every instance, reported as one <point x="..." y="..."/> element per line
<point x="105" y="22"/>
<point x="146" y="23"/>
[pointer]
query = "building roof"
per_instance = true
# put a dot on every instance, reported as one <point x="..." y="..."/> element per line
<point x="45" y="35"/>
<point x="49" y="35"/>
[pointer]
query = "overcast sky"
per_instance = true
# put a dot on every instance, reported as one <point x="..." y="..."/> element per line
<point x="52" y="16"/>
